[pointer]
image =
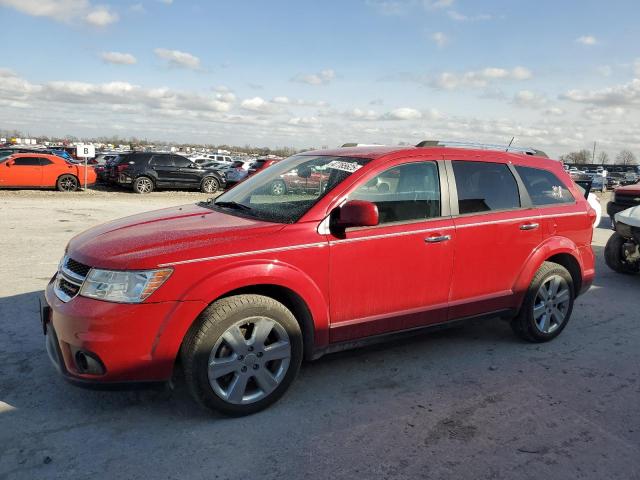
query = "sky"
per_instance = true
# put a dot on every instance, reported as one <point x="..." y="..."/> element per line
<point x="557" y="76"/>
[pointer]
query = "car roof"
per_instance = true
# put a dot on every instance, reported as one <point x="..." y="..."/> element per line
<point x="375" y="152"/>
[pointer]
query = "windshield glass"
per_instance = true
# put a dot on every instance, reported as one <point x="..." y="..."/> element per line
<point x="285" y="191"/>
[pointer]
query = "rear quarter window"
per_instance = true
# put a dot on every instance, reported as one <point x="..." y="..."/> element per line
<point x="544" y="187"/>
<point x="485" y="187"/>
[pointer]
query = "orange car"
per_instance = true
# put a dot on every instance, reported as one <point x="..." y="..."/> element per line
<point x="43" y="171"/>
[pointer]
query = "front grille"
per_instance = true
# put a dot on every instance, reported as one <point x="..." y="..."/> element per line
<point x="68" y="288"/>
<point x="77" y="267"/>
<point x="70" y="278"/>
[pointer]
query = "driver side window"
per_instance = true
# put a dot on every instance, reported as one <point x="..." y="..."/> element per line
<point x="403" y="193"/>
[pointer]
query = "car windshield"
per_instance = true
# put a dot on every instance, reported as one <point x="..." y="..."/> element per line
<point x="287" y="190"/>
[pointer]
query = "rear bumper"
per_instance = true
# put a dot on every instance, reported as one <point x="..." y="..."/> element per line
<point x="588" y="268"/>
<point x="108" y="345"/>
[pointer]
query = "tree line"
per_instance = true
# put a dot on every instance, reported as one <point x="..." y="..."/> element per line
<point x="624" y="157"/>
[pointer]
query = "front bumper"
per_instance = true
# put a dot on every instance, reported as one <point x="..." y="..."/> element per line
<point x="110" y="345"/>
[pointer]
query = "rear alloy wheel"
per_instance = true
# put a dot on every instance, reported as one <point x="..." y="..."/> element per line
<point x="210" y="185"/>
<point x="67" y="183"/>
<point x="143" y="185"/>
<point x="242" y="354"/>
<point x="547" y="305"/>
<point x="278" y="188"/>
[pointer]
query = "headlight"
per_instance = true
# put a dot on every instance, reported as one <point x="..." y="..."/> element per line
<point x="123" y="287"/>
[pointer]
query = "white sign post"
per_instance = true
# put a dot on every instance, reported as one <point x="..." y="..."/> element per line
<point x="86" y="152"/>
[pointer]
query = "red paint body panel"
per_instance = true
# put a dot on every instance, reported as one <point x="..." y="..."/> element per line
<point x="369" y="281"/>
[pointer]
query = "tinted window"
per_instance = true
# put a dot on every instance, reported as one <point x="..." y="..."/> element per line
<point x="27" y="161"/>
<point x="181" y="162"/>
<point x="544" y="187"/>
<point x="45" y="161"/>
<point x="162" y="160"/>
<point x="484" y="186"/>
<point x="404" y="193"/>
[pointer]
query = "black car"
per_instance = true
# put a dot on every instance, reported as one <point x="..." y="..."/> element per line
<point x="147" y="171"/>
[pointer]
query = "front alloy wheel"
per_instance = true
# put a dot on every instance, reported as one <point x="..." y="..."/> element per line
<point x="210" y="185"/>
<point x="242" y="354"/>
<point x="249" y="361"/>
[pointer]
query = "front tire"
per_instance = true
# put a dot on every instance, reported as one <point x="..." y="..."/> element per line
<point x="547" y="305"/>
<point x="242" y="354"/>
<point x="614" y="257"/>
<point x="278" y="188"/>
<point x="143" y="185"/>
<point x="67" y="183"/>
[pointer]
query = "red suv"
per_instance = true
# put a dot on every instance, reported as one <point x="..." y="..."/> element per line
<point x="238" y="291"/>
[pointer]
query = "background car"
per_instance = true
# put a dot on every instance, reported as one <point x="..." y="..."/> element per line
<point x="31" y="170"/>
<point x="261" y="164"/>
<point x="147" y="171"/>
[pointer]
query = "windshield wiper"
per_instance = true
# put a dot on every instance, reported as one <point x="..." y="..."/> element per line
<point x="234" y="205"/>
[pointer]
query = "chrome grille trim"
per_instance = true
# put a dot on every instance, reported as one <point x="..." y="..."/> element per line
<point x="66" y="276"/>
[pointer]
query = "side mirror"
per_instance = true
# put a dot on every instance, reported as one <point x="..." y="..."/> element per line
<point x="357" y="213"/>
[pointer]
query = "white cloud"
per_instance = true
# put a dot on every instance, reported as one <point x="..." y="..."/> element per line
<point x="435" y="4"/>
<point x="258" y="104"/>
<point x="459" y="17"/>
<point x="619" y="95"/>
<point x="321" y="78"/>
<point x="587" y="40"/>
<point x="529" y="99"/>
<point x="303" y="121"/>
<point x="478" y="78"/>
<point x="177" y="58"/>
<point x="404" y="114"/>
<point x="119" y="58"/>
<point x="390" y="7"/>
<point x="554" y="111"/>
<point x="64" y="10"/>
<point x="440" y="39"/>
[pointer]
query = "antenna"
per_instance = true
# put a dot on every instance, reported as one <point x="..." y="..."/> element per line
<point x="507" y="149"/>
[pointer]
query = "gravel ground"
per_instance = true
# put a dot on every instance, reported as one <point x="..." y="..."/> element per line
<point x="471" y="402"/>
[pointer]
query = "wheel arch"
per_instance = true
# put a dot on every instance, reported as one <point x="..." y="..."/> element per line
<point x="560" y="250"/>
<point x="74" y="175"/>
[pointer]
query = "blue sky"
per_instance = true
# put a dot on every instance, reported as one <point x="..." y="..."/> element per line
<point x="557" y="75"/>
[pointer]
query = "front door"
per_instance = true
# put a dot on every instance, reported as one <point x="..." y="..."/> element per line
<point x="22" y="172"/>
<point x="394" y="276"/>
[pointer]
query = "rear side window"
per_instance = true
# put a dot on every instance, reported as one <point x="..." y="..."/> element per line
<point x="162" y="161"/>
<point x="45" y="161"/>
<point x="404" y="193"/>
<point x="27" y="162"/>
<point x="484" y="187"/>
<point x="544" y="187"/>
<point x="181" y="162"/>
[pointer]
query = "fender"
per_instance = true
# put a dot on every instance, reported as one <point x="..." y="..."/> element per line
<point x="244" y="274"/>
<point x="548" y="248"/>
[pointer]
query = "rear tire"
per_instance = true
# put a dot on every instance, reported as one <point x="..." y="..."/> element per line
<point x="547" y="305"/>
<point x="614" y="257"/>
<point x="242" y="354"/>
<point x="278" y="188"/>
<point x="143" y="185"/>
<point x="210" y="185"/>
<point x="67" y="183"/>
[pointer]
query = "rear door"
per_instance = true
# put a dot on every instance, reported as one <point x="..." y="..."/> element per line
<point x="163" y="165"/>
<point x="24" y="171"/>
<point x="497" y="230"/>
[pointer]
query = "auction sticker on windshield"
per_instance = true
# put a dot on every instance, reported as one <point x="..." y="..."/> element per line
<point x="344" y="166"/>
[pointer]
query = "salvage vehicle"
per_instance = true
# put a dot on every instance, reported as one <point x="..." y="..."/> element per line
<point x="623" y="198"/>
<point x="145" y="172"/>
<point x="622" y="252"/>
<point x="39" y="170"/>
<point x="235" y="292"/>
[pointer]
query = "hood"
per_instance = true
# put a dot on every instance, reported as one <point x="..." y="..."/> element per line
<point x="630" y="216"/>
<point x="162" y="236"/>
<point x="629" y="190"/>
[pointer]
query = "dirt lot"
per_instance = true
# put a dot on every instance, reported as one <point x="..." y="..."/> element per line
<point x="466" y="403"/>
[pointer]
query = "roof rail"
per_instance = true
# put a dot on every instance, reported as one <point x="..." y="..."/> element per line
<point x="482" y="146"/>
<point x="355" y="144"/>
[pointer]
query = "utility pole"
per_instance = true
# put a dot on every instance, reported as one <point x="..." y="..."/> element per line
<point x="593" y="156"/>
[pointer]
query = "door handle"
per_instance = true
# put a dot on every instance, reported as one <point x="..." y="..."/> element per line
<point x="529" y="226"/>
<point x="438" y="239"/>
